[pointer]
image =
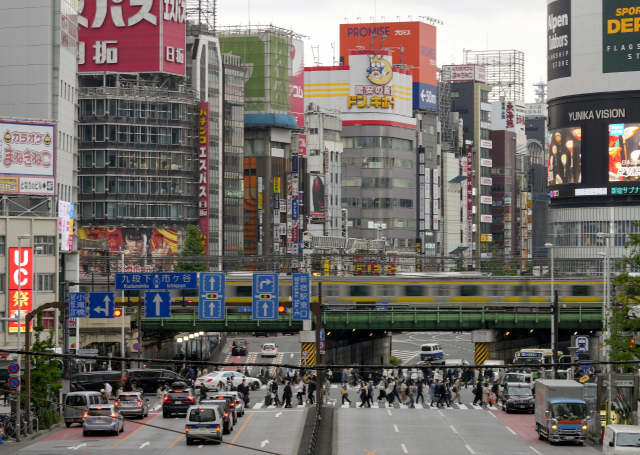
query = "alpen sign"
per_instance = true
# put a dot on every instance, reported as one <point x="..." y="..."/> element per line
<point x="597" y="114"/>
<point x="559" y="39"/>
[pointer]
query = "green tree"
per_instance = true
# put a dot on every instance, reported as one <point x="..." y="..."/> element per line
<point x="45" y="371"/>
<point x="459" y="264"/>
<point x="495" y="265"/>
<point x="193" y="249"/>
<point x="625" y="317"/>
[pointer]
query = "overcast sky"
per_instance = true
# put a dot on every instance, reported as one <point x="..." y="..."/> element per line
<point x="468" y="24"/>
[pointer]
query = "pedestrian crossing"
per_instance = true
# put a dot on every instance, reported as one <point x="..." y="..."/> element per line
<point x="378" y="405"/>
<point x="405" y="356"/>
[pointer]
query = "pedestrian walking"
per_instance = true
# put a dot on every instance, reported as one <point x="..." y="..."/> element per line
<point x="432" y="391"/>
<point x="370" y="393"/>
<point x="312" y="391"/>
<point x="420" y="392"/>
<point x="327" y="390"/>
<point x="274" y="390"/>
<point x="107" y="390"/>
<point x="395" y="391"/>
<point x="330" y="375"/>
<point x="413" y="390"/>
<point x="496" y="390"/>
<point x="302" y="393"/>
<point x="203" y="393"/>
<point x="364" y="395"/>
<point x="345" y="375"/>
<point x="485" y="395"/>
<point x="435" y="396"/>
<point x="456" y="391"/>
<point x="287" y="394"/>
<point x="389" y="391"/>
<point x="477" y="392"/>
<point x="381" y="387"/>
<point x="344" y="391"/>
<point x="403" y="392"/>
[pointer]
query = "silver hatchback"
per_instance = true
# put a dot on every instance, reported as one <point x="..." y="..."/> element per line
<point x="132" y="404"/>
<point x="102" y="418"/>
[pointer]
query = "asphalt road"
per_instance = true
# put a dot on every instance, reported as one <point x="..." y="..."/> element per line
<point x="288" y="352"/>
<point x="406" y="346"/>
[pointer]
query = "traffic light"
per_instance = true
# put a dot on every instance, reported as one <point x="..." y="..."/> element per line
<point x="280" y="309"/>
<point x="117" y="313"/>
<point x="633" y="343"/>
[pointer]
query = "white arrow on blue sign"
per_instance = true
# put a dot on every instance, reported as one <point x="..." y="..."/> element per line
<point x="77" y="304"/>
<point x="101" y="305"/>
<point x="265" y="297"/>
<point x="212" y="292"/>
<point x="157" y="304"/>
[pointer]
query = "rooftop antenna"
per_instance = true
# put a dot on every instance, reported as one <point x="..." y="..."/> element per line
<point x="373" y="38"/>
<point x="382" y="38"/>
<point x="333" y="47"/>
<point x="315" y="50"/>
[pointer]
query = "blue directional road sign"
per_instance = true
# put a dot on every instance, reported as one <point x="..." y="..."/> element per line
<point x="265" y="297"/>
<point x="157" y="304"/>
<point x="101" y="305"/>
<point x="321" y="334"/>
<point x="156" y="281"/>
<point x="301" y="296"/>
<point x="211" y="304"/>
<point x="77" y="304"/>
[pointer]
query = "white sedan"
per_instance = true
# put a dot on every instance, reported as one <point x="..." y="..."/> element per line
<point x="269" y="350"/>
<point x="218" y="380"/>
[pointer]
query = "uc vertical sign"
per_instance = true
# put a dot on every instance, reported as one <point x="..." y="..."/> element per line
<point x="20" y="275"/>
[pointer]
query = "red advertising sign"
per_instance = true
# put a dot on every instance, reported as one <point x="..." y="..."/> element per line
<point x="469" y="196"/>
<point x="20" y="268"/>
<point x="302" y="144"/>
<point x="26" y="306"/>
<point x="132" y="36"/>
<point x="203" y="172"/>
<point x="296" y="86"/>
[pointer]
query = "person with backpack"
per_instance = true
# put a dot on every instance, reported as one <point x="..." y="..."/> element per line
<point x="477" y="392"/>
<point x="344" y="391"/>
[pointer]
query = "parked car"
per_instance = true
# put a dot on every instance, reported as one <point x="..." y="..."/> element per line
<point x="218" y="380"/>
<point x="178" y="399"/>
<point x="80" y="402"/>
<point x="94" y="380"/>
<point x="132" y="404"/>
<point x="102" y="418"/>
<point x="204" y="420"/>
<point x="227" y="417"/>
<point x="148" y="380"/>
<point x="239" y="347"/>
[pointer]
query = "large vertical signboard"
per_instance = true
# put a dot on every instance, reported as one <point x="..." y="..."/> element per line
<point x="132" y="36"/>
<point x="27" y="158"/>
<point x="203" y="172"/>
<point x="469" y="197"/>
<point x="297" y="82"/>
<point x="620" y="34"/>
<point x="565" y="156"/>
<point x="559" y="39"/>
<point x="20" y="276"/>
<point x="419" y="43"/>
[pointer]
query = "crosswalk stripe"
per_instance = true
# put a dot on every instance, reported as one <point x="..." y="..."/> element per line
<point x="419" y="406"/>
<point x="258" y="405"/>
<point x="475" y="407"/>
<point x="461" y="406"/>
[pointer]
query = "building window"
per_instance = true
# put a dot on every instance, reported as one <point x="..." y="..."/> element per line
<point x="2" y="323"/>
<point x="2" y="283"/>
<point x="455" y="94"/>
<point x="45" y="282"/>
<point x="47" y="243"/>
<point x="484" y="134"/>
<point x="2" y="245"/>
<point x="484" y="96"/>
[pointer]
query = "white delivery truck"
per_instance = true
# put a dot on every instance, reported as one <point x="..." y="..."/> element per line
<point x="561" y="412"/>
<point x="621" y="439"/>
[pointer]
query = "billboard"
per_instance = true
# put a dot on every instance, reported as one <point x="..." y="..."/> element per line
<point x="20" y="276"/>
<point x="203" y="172"/>
<point x="317" y="201"/>
<point x="508" y="116"/>
<point x="296" y="89"/>
<point x="419" y="43"/>
<point x="27" y="158"/>
<point x="150" y="250"/>
<point x="620" y="35"/>
<point x="134" y="36"/>
<point x="559" y="39"/>
<point x="624" y="152"/>
<point x="564" y="156"/>
<point x="65" y="225"/>
<point x="464" y="73"/>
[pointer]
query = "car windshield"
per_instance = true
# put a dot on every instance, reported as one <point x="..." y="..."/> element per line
<point x="527" y="361"/>
<point x="570" y="411"/>
<point x="519" y="391"/>
<point x="628" y="440"/>
<point x="510" y="377"/>
<point x="202" y="415"/>
<point x="77" y="400"/>
<point x="133" y="398"/>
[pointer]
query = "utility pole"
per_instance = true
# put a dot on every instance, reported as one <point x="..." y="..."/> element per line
<point x="317" y="311"/>
<point x="554" y="327"/>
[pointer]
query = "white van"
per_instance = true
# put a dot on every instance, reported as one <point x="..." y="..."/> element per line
<point x="204" y="421"/>
<point x="78" y="403"/>
<point x="619" y="439"/>
<point x="430" y="352"/>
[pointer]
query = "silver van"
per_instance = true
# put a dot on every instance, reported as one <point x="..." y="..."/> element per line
<point x="80" y="400"/>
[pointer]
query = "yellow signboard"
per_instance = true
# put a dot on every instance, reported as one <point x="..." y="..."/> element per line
<point x="276" y="185"/>
<point x="485" y="237"/>
<point x="259" y="201"/>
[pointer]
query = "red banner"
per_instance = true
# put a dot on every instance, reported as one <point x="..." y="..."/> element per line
<point x="203" y="171"/>
<point x="20" y="268"/>
<point x="26" y="306"/>
<point x="469" y="197"/>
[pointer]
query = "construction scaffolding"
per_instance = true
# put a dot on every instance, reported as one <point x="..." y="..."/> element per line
<point x="505" y="72"/>
<point x="201" y="16"/>
<point x="444" y="112"/>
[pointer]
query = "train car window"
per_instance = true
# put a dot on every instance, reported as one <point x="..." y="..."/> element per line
<point x="243" y="291"/>
<point x="496" y="291"/>
<point x="468" y="291"/>
<point x="534" y="290"/>
<point x="580" y="291"/>
<point x="330" y="290"/>
<point x="518" y="290"/>
<point x="314" y="290"/>
<point x="414" y="291"/>
<point x="442" y="291"/>
<point x="358" y="291"/>
<point x="285" y="290"/>
<point x="387" y="290"/>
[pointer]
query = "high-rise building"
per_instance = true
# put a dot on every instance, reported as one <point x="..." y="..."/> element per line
<point x="536" y="131"/>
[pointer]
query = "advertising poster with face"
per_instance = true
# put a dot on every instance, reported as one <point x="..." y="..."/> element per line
<point x="565" y="156"/>
<point x="624" y="152"/>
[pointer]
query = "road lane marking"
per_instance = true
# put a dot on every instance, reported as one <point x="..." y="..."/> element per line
<point x="144" y="445"/>
<point x="534" y="450"/>
<point x="389" y="411"/>
<point x="419" y="406"/>
<point x="134" y="432"/>
<point x="404" y="448"/>
<point x="470" y="450"/>
<point x="511" y="430"/>
<point x="177" y="441"/>
<point x="453" y="429"/>
<point x="241" y="428"/>
<point x="258" y="405"/>
<point x="395" y="427"/>
<point x="200" y="447"/>
<point x="461" y="406"/>
<point x="370" y="452"/>
<point x="440" y="412"/>
<point x="491" y="413"/>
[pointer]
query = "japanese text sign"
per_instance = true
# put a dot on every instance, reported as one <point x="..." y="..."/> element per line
<point x="301" y="296"/>
<point x="20" y="268"/>
<point x="203" y="171"/>
<point x="169" y="280"/>
<point x="132" y="36"/>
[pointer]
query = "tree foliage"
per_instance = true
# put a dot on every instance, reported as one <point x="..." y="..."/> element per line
<point x="45" y="371"/>
<point x="193" y="249"/>
<point x="625" y="309"/>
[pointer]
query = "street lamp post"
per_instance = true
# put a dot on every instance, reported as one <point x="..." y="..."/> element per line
<point x="607" y="290"/>
<point x="553" y="313"/>
<point x="20" y="238"/>
<point x="122" y="350"/>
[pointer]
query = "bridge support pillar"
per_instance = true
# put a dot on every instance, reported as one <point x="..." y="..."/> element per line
<point x="482" y="339"/>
